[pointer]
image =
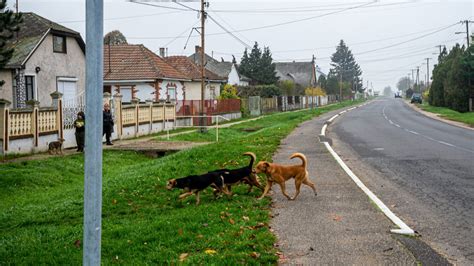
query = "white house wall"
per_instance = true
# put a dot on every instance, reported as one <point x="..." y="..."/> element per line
<point x="179" y="89"/>
<point x="55" y="65"/>
<point x="145" y="92"/>
<point x="233" y="77"/>
<point x="6" y="91"/>
<point x="193" y="90"/>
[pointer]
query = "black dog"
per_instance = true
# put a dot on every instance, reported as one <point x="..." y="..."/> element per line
<point x="193" y="184"/>
<point x="245" y="175"/>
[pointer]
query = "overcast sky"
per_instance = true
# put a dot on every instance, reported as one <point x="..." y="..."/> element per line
<point x="387" y="38"/>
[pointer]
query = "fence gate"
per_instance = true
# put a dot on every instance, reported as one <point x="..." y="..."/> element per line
<point x="254" y="105"/>
<point x="70" y="109"/>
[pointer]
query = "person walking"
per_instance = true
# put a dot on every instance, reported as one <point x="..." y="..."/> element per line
<point x="80" y="125"/>
<point x="108" y="123"/>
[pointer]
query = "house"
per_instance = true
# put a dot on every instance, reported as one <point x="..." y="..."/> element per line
<point x="136" y="72"/>
<point x="192" y="71"/>
<point x="47" y="57"/>
<point x="224" y="69"/>
<point x="302" y="73"/>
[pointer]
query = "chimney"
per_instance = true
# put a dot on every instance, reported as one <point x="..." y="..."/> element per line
<point x="197" y="49"/>
<point x="162" y="51"/>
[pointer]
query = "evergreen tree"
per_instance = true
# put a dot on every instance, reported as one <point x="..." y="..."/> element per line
<point x="436" y="96"/>
<point x="267" y="73"/>
<point x="254" y="63"/>
<point x="244" y="67"/>
<point x="456" y="90"/>
<point x="322" y="82"/>
<point x="258" y="66"/>
<point x="114" y="37"/>
<point x="9" y="23"/>
<point x="343" y="64"/>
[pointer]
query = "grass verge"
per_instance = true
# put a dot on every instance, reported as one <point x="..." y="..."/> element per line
<point x="467" y="118"/>
<point x="41" y="204"/>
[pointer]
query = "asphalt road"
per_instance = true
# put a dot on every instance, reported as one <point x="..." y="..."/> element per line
<point x="423" y="169"/>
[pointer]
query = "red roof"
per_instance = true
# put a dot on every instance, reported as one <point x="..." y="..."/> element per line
<point x="136" y="62"/>
<point x="190" y="69"/>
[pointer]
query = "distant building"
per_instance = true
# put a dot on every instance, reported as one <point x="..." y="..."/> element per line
<point x="302" y="73"/>
<point x="228" y="70"/>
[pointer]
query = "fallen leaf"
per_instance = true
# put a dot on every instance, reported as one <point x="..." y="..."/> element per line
<point x="200" y="236"/>
<point x="337" y="218"/>
<point x="255" y="254"/>
<point x="180" y="231"/>
<point x="183" y="256"/>
<point x="205" y="224"/>
<point x="246" y="218"/>
<point x="231" y="221"/>
<point x="114" y="201"/>
<point x="210" y="251"/>
<point x="77" y="243"/>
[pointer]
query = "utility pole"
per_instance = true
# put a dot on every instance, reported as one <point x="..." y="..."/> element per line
<point x="427" y="72"/>
<point x="340" y="86"/>
<point x="16" y="6"/>
<point x="93" y="148"/>
<point x="413" y="78"/>
<point x="408" y="81"/>
<point x="418" y="78"/>
<point x="467" y="29"/>
<point x="203" y="84"/>
<point x="440" y="46"/>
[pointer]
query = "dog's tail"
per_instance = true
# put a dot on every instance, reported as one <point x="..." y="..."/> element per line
<point x="253" y="158"/>
<point x="301" y="156"/>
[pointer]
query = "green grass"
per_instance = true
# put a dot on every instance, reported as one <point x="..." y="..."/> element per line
<point x="467" y="118"/>
<point x="41" y="205"/>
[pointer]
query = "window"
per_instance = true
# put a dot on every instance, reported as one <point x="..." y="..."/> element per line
<point x="59" y="44"/>
<point x="30" y="87"/>
<point x="171" y="93"/>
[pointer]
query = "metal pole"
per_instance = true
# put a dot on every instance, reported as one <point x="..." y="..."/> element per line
<point x="428" y="72"/>
<point x="340" y="87"/>
<point x="93" y="141"/>
<point x="203" y="19"/>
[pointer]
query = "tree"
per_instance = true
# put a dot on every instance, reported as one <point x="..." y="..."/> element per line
<point x="244" y="67"/>
<point x="318" y="91"/>
<point x="287" y="87"/>
<point x="345" y="67"/>
<point x="228" y="91"/>
<point x="9" y="23"/>
<point x="403" y="84"/>
<point x="456" y="91"/>
<point x="267" y="68"/>
<point x="322" y="82"/>
<point x="387" y="91"/>
<point x="258" y="66"/>
<point x="114" y="37"/>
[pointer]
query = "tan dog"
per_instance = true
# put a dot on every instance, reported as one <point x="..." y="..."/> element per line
<point x="282" y="173"/>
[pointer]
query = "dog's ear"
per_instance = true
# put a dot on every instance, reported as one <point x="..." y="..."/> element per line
<point x="266" y="165"/>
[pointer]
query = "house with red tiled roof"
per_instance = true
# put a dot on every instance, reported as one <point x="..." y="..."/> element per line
<point x="193" y="87"/>
<point x="136" y="72"/>
<point x="47" y="57"/>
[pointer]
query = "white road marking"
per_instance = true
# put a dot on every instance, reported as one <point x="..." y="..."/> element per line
<point x="424" y="136"/>
<point x="445" y="143"/>
<point x="378" y="149"/>
<point x="332" y="118"/>
<point x="404" y="228"/>
<point x="323" y="130"/>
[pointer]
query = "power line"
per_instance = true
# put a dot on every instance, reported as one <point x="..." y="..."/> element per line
<point x="410" y="40"/>
<point x="160" y="6"/>
<point x="228" y="32"/>
<point x="126" y="17"/>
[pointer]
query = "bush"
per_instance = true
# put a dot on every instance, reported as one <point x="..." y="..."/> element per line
<point x="264" y="91"/>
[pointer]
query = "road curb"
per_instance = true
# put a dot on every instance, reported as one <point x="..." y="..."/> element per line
<point x="404" y="229"/>
<point x="437" y="117"/>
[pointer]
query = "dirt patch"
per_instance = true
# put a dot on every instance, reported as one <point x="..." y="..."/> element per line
<point x="156" y="149"/>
